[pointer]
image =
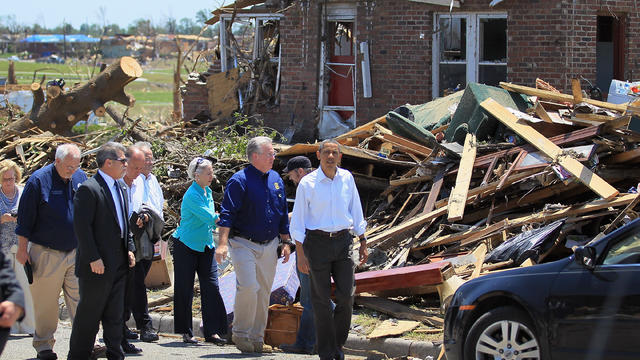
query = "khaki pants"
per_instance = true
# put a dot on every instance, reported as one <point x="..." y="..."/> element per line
<point x="255" y="267"/>
<point x="27" y="325"/>
<point x="53" y="271"/>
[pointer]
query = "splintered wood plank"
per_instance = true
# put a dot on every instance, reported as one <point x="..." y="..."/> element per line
<point x="458" y="197"/>
<point x="542" y="113"/>
<point x="407" y="145"/>
<point x="550" y="95"/>
<point x="393" y="328"/>
<point x="593" y="181"/>
<point x="368" y="127"/>
<point x="480" y="252"/>
<point x="400" y="278"/>
<point x="397" y="310"/>
<point x="576" y="90"/>
<point x="435" y="191"/>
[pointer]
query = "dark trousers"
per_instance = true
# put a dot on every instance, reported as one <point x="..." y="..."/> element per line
<point x="186" y="263"/>
<point x="136" y="296"/>
<point x="4" y="335"/>
<point x="331" y="257"/>
<point x="101" y="300"/>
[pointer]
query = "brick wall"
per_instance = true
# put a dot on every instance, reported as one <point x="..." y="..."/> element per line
<point x="550" y="39"/>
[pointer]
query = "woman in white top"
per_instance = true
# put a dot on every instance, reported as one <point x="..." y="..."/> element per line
<point x="10" y="191"/>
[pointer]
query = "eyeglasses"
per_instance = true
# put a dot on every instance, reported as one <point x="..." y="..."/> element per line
<point x="8" y="179"/>
<point x="122" y="160"/>
<point x="271" y="154"/>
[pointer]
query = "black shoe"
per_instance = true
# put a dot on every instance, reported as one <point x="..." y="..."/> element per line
<point x="148" y="336"/>
<point x="130" y="335"/>
<point x="99" y="351"/>
<point x="339" y="355"/>
<point x="295" y="349"/>
<point x="216" y="340"/>
<point x="129" y="348"/>
<point x="186" y="338"/>
<point x="47" y="355"/>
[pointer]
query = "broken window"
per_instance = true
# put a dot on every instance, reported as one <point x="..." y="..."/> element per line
<point x="337" y="93"/>
<point x="469" y="48"/>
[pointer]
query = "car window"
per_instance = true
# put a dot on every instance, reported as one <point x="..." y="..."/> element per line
<point x="626" y="251"/>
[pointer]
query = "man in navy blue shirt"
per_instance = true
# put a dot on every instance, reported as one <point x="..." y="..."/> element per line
<point x="252" y="217"/>
<point x="45" y="221"/>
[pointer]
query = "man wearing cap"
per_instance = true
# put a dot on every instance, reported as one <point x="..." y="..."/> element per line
<point x="326" y="212"/>
<point x="297" y="168"/>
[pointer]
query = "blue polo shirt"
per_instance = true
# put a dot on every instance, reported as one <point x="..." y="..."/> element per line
<point x="255" y="205"/>
<point x="45" y="212"/>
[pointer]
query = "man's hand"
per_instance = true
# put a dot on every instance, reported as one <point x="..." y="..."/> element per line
<point x="221" y="253"/>
<point x="10" y="313"/>
<point x="132" y="259"/>
<point x="97" y="267"/>
<point x="22" y="255"/>
<point x="302" y="263"/>
<point x="7" y="218"/>
<point x="364" y="254"/>
<point x="142" y="219"/>
<point x="286" y="251"/>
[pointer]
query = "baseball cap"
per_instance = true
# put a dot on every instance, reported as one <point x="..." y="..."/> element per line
<point x="297" y="162"/>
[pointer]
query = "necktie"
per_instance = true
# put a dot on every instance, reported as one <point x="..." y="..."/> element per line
<point x="116" y="188"/>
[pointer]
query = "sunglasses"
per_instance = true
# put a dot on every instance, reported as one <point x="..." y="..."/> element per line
<point x="122" y="160"/>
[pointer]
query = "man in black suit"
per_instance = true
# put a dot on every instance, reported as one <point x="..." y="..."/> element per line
<point x="105" y="250"/>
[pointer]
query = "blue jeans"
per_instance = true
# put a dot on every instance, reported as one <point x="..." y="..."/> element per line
<point x="306" y="337"/>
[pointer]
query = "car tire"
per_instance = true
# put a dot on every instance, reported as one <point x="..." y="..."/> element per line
<point x="490" y="336"/>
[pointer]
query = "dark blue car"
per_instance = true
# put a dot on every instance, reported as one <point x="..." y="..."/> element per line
<point x="586" y="306"/>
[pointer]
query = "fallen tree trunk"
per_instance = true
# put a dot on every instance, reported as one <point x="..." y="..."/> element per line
<point x="62" y="110"/>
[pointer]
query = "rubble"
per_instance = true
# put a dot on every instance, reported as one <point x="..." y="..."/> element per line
<point x="481" y="180"/>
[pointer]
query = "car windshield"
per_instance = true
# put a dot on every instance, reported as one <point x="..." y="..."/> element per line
<point x="626" y="251"/>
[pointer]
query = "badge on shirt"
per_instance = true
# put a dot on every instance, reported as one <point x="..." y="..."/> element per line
<point x="276" y="185"/>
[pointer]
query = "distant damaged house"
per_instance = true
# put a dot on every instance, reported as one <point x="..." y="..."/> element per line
<point x="317" y="68"/>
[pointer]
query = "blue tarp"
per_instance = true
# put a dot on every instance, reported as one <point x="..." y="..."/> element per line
<point x="58" y="38"/>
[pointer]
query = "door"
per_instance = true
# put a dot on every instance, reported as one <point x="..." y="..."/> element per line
<point x="609" y="51"/>
<point x="596" y="314"/>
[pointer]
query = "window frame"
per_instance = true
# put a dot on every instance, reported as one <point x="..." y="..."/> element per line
<point x="473" y="62"/>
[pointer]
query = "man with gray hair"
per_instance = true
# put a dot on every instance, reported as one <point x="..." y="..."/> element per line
<point x="105" y="252"/>
<point x="145" y="191"/>
<point x="45" y="222"/>
<point x="253" y="215"/>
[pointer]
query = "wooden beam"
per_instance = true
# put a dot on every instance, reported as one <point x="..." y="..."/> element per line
<point x="550" y="95"/>
<point x="435" y="191"/>
<point x="411" y="180"/>
<point x="407" y="145"/>
<point x="514" y="164"/>
<point x="458" y="197"/>
<point x="400" y="278"/>
<point x="593" y="181"/>
<point x="397" y="310"/>
<point x="366" y="127"/>
<point x="624" y="156"/>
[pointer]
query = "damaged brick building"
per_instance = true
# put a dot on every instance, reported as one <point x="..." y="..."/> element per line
<point x="349" y="62"/>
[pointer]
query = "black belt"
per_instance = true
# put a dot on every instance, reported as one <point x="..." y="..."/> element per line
<point x="236" y="233"/>
<point x="327" y="234"/>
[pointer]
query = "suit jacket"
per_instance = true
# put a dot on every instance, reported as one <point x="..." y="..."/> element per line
<point x="97" y="229"/>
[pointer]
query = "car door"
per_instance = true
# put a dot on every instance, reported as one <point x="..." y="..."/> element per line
<point x="595" y="314"/>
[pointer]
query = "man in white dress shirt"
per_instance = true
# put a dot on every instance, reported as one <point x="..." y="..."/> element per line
<point x="326" y="212"/>
<point x="146" y="190"/>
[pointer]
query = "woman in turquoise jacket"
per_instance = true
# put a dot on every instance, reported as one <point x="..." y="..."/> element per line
<point x="193" y="251"/>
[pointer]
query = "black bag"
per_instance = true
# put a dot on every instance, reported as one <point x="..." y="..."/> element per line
<point x="29" y="271"/>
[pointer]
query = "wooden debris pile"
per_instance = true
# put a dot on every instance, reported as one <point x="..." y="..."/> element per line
<point x="441" y="212"/>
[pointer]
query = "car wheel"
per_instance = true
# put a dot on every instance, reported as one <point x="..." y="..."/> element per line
<point x="503" y="333"/>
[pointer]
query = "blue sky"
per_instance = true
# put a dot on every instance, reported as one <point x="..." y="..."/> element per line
<point x="51" y="13"/>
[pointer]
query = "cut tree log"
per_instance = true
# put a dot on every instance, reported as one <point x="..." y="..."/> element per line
<point x="593" y="181"/>
<point x="62" y="110"/>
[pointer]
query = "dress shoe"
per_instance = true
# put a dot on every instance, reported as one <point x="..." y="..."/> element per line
<point x="47" y="355"/>
<point x="129" y="348"/>
<point x="215" y="339"/>
<point x="130" y="335"/>
<point x="339" y="355"/>
<point x="260" y="347"/>
<point x="98" y="351"/>
<point x="186" y="338"/>
<point x="148" y="336"/>
<point x="243" y="344"/>
<point x="295" y="349"/>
